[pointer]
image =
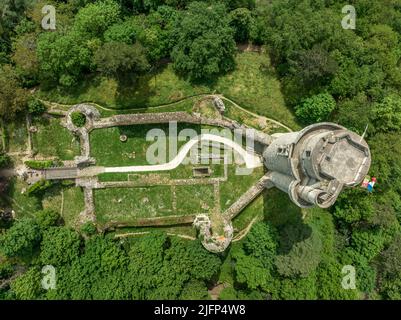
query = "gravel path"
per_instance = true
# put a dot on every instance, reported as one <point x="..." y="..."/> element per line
<point x="251" y="160"/>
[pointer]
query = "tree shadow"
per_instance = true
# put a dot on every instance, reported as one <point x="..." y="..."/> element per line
<point x="81" y="87"/>
<point x="286" y="217"/>
<point x="135" y="91"/>
<point x="210" y="82"/>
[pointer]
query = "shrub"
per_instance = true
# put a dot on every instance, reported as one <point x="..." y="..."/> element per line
<point x="67" y="183"/>
<point x="33" y="164"/>
<point x="36" y="107"/>
<point x="39" y="187"/>
<point x="27" y="286"/>
<point x="6" y="269"/>
<point x="387" y="114"/>
<point x="20" y="239"/>
<point x="316" y="108"/>
<point x="47" y="218"/>
<point x="59" y="246"/>
<point x="78" y="119"/>
<point x="88" y="228"/>
<point x="4" y="160"/>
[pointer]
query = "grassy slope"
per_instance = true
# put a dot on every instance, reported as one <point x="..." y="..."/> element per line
<point x="16" y="135"/>
<point x="53" y="140"/>
<point x="254" y="89"/>
<point x="21" y="202"/>
<point x="248" y="85"/>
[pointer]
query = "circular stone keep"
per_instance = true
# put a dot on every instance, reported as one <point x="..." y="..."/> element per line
<point x="316" y="163"/>
<point x="123" y="138"/>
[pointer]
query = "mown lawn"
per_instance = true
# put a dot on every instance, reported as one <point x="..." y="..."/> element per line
<point x="236" y="185"/>
<point x="123" y="204"/>
<point x="53" y="140"/>
<point x="108" y="150"/>
<point x="249" y="85"/>
<point x="194" y="199"/>
<point x="73" y="204"/>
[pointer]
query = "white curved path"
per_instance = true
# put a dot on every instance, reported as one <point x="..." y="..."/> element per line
<point x="251" y="160"/>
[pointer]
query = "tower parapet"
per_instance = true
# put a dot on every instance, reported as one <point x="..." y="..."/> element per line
<point x="316" y="163"/>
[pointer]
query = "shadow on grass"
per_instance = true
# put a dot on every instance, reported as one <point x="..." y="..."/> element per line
<point x="80" y="88"/>
<point x="22" y="203"/>
<point x="286" y="217"/>
<point x="133" y="91"/>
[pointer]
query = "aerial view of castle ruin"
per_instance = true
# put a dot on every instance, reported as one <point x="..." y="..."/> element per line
<point x="200" y="150"/>
<point x="312" y="166"/>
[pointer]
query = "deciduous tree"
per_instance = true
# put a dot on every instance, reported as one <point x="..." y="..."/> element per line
<point x="21" y="238"/>
<point x="205" y="44"/>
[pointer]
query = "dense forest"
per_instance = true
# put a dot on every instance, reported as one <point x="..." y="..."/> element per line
<point x="327" y="73"/>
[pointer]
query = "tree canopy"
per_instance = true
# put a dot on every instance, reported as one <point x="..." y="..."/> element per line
<point x="205" y="44"/>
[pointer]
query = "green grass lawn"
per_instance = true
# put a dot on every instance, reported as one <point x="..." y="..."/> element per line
<point x="181" y="172"/>
<point x="123" y="204"/>
<point x="73" y="204"/>
<point x="236" y="185"/>
<point x="16" y="135"/>
<point x="248" y="85"/>
<point x="254" y="89"/>
<point x="154" y="89"/>
<point x="253" y="210"/>
<point x="186" y="171"/>
<point x="20" y="201"/>
<point x="194" y="199"/>
<point x="25" y="205"/>
<point x="52" y="198"/>
<point x="106" y="177"/>
<point x="108" y="150"/>
<point x="53" y="140"/>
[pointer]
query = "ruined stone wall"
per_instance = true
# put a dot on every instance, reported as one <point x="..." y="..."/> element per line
<point x="247" y="197"/>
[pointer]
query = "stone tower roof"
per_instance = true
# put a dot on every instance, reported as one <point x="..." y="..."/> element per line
<point x="313" y="165"/>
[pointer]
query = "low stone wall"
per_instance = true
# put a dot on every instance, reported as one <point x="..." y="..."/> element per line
<point x="182" y="117"/>
<point x="164" y="117"/>
<point x="89" y="213"/>
<point x="247" y="197"/>
<point x="92" y="115"/>
<point x="151" y="222"/>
